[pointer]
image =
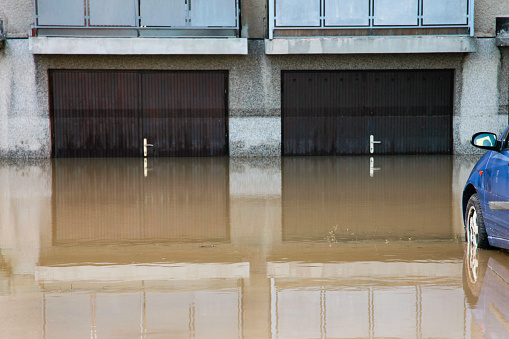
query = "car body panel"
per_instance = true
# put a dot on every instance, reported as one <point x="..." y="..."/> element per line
<point x="476" y="181"/>
<point x="490" y="180"/>
<point x="496" y="194"/>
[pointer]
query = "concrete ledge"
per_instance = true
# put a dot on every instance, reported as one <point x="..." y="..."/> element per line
<point x="138" y="46"/>
<point x="371" y="45"/>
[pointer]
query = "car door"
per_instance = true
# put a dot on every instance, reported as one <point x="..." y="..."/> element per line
<point x="497" y="191"/>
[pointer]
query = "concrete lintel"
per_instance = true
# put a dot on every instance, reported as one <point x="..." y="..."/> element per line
<point x="371" y="45"/>
<point x="138" y="46"/>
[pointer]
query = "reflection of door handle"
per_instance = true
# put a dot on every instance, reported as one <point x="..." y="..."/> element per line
<point x="372" y="143"/>
<point x="145" y="146"/>
<point x="372" y="167"/>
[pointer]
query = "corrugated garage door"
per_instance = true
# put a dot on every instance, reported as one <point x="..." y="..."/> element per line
<point x="110" y="113"/>
<point x="363" y="112"/>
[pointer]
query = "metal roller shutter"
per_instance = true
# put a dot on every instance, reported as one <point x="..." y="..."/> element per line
<point x="110" y="113"/>
<point x="343" y="112"/>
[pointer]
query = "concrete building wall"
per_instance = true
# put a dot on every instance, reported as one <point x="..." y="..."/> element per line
<point x="254" y="83"/>
<point x="17" y="15"/>
<point x="486" y="12"/>
<point x="24" y="122"/>
<point x="480" y="108"/>
<point x="254" y="90"/>
<point x="480" y="97"/>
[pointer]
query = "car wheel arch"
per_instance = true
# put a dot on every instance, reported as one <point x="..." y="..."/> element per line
<point x="467" y="193"/>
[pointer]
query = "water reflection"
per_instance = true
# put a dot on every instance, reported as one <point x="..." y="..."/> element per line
<point x="406" y="197"/>
<point x="486" y="283"/>
<point x="233" y="248"/>
<point x="104" y="200"/>
<point x="369" y="291"/>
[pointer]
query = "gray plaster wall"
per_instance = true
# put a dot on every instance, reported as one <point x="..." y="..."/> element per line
<point x="480" y="104"/>
<point x="24" y="125"/>
<point x="486" y="12"/>
<point x="17" y="15"/>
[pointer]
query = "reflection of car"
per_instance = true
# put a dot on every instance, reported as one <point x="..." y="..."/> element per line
<point x="486" y="193"/>
<point x="485" y="280"/>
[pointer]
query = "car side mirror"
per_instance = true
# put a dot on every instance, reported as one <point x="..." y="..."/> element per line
<point x="485" y="140"/>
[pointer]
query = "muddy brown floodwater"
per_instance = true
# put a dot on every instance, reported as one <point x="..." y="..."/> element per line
<point x="317" y="247"/>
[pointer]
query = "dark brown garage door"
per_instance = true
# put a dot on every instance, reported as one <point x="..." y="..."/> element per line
<point x="363" y="112"/>
<point x="110" y="113"/>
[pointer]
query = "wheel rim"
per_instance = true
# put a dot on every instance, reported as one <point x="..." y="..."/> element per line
<point x="473" y="228"/>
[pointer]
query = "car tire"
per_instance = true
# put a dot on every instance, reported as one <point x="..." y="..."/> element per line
<point x="475" y="229"/>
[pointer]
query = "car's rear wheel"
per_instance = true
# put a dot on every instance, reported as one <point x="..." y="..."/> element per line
<point x="474" y="224"/>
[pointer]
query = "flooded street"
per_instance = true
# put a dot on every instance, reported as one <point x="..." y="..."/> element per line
<point x="315" y="247"/>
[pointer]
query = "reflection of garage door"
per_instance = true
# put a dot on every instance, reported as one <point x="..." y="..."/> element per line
<point x="112" y="201"/>
<point x="110" y="113"/>
<point x="348" y="112"/>
<point x="394" y="202"/>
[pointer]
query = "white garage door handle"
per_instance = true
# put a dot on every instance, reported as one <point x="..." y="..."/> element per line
<point x="146" y="146"/>
<point x="372" y="143"/>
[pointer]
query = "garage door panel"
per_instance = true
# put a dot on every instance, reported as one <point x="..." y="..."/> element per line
<point x="336" y="112"/>
<point x="411" y="135"/>
<point x="184" y="137"/>
<point x="185" y="113"/>
<point x="325" y="94"/>
<point x="325" y="135"/>
<point x="353" y="131"/>
<point x="109" y="113"/>
<point x="97" y="137"/>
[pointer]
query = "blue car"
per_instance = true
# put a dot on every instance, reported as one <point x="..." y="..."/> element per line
<point x="486" y="193"/>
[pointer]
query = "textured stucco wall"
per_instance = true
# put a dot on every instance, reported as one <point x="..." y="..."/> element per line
<point x="17" y="15"/>
<point x="24" y="127"/>
<point x="480" y="108"/>
<point x="486" y="12"/>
